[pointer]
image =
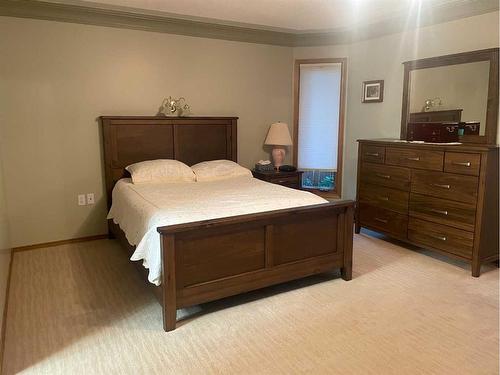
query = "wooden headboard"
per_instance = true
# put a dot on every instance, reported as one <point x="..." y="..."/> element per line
<point x="131" y="139"/>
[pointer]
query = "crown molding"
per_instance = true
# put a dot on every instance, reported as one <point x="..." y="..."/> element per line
<point x="140" y="21"/>
<point x="129" y="18"/>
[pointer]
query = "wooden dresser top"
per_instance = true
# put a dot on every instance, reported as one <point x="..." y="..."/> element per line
<point x="394" y="142"/>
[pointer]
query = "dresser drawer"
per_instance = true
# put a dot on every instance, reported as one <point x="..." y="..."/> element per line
<point x="285" y="180"/>
<point x="415" y="158"/>
<point x="291" y="182"/>
<point x="289" y="179"/>
<point x="293" y="185"/>
<point x="463" y="163"/>
<point x="442" y="211"/>
<point x="384" y="197"/>
<point x="386" y="221"/>
<point x="445" y="185"/>
<point x="393" y="177"/>
<point x="373" y="154"/>
<point x="442" y="237"/>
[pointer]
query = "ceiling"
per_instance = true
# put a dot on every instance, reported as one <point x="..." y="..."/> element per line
<point x="284" y="15"/>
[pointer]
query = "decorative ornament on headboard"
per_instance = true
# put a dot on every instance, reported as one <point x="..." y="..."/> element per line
<point x="174" y="107"/>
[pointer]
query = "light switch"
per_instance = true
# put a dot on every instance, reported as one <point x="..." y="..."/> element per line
<point x="90" y="198"/>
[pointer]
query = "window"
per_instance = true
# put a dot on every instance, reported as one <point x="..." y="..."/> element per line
<point x="319" y="123"/>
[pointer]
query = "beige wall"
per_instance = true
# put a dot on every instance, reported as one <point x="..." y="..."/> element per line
<point x="381" y="58"/>
<point x="57" y="78"/>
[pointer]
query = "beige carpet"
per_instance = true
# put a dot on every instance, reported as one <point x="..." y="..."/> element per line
<point x="82" y="309"/>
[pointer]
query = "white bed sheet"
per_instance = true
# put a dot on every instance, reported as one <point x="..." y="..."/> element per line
<point x="139" y="209"/>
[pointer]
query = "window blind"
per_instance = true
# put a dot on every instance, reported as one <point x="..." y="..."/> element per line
<point x="319" y="103"/>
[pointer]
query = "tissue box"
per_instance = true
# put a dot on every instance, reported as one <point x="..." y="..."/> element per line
<point x="264" y="167"/>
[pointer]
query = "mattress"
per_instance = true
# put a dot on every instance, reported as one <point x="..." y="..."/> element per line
<point x="140" y="208"/>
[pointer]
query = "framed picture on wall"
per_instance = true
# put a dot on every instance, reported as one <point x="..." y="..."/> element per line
<point x="373" y="91"/>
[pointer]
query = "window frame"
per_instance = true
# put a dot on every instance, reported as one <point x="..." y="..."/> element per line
<point x="337" y="192"/>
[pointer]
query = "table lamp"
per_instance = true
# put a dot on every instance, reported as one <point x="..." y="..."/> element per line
<point x="278" y="135"/>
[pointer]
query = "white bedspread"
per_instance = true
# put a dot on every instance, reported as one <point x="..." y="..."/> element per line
<point x="139" y="209"/>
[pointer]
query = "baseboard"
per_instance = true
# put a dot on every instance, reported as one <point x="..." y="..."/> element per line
<point x="4" y="312"/>
<point x="57" y="243"/>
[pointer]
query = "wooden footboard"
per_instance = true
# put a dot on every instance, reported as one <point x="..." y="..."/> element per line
<point x="207" y="260"/>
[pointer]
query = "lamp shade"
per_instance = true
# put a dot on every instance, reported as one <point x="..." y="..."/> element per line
<point x="278" y="135"/>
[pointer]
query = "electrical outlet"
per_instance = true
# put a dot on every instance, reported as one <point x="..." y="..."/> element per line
<point x="81" y="200"/>
<point x="90" y="198"/>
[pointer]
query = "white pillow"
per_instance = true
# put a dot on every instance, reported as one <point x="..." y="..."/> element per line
<point x="219" y="170"/>
<point x="161" y="170"/>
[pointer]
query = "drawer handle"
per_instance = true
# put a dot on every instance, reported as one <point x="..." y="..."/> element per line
<point x="386" y="176"/>
<point x="442" y="186"/>
<point x="376" y="154"/>
<point x="438" y="211"/>
<point x="381" y="220"/>
<point x="441" y="238"/>
<point x="383" y="198"/>
<point x="414" y="159"/>
<point x="464" y="164"/>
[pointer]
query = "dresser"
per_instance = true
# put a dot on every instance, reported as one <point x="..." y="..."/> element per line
<point x="440" y="197"/>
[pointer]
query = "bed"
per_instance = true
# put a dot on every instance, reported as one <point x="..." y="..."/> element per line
<point x="247" y="234"/>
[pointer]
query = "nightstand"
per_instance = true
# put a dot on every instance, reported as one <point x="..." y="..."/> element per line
<point x="288" y="179"/>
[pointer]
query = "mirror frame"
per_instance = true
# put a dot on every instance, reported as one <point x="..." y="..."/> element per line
<point x="491" y="55"/>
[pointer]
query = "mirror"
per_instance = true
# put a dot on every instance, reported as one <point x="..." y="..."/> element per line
<point x="450" y="93"/>
<point x="459" y="89"/>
